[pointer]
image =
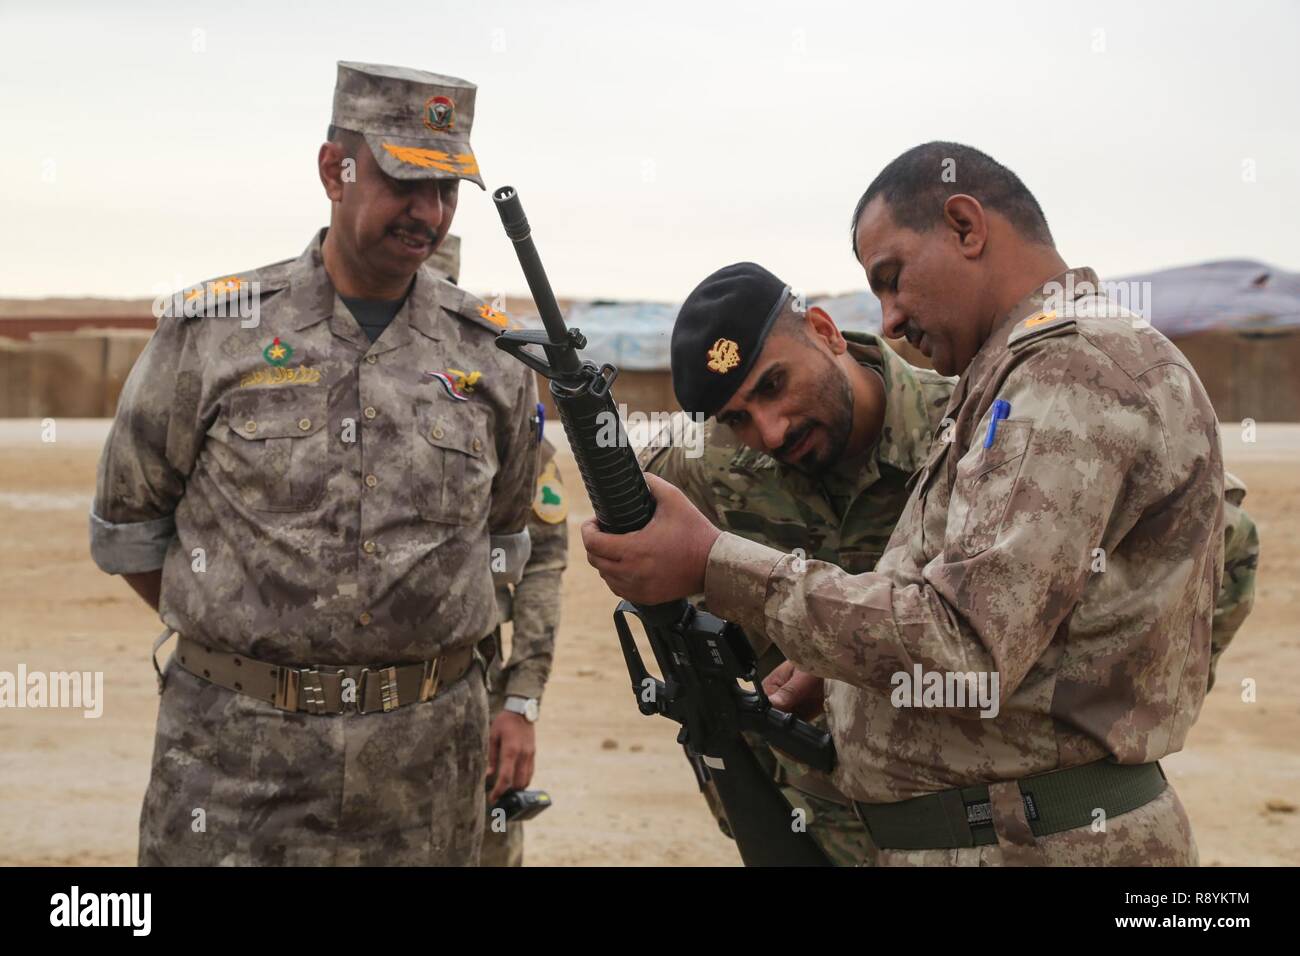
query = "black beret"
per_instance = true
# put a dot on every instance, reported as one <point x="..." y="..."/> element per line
<point x="719" y="332"/>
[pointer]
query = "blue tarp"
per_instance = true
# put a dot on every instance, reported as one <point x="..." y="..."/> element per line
<point x="1179" y="301"/>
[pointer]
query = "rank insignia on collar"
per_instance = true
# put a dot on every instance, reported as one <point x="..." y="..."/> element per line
<point x="277" y="353"/>
<point x="459" y="385"/>
<point x="1040" y="318"/>
<point x="724" y="356"/>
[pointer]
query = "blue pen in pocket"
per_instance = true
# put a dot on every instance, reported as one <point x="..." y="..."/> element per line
<point x="1001" y="409"/>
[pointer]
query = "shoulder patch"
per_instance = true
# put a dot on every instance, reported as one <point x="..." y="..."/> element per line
<point x="230" y="296"/>
<point x="1037" y="326"/>
<point x="549" y="503"/>
<point x="470" y="308"/>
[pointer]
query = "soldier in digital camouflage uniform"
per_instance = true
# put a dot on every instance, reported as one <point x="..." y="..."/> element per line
<point x="311" y="498"/>
<point x="846" y="517"/>
<point x="515" y="686"/>
<point x="1064" y="537"/>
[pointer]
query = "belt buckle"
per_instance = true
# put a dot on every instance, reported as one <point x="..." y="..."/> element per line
<point x="299" y="689"/>
<point x="287" y="683"/>
<point x="431" y="679"/>
<point x="388" y="697"/>
<point x="388" y="689"/>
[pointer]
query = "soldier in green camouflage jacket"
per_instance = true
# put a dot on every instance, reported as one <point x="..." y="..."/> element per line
<point x="846" y="516"/>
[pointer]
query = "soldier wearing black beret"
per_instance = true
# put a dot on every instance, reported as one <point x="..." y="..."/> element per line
<point x="720" y="331"/>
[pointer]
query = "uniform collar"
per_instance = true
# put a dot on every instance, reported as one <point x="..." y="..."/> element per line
<point x="1081" y="280"/>
<point x="312" y="295"/>
<point x="897" y="444"/>
<point x="900" y="443"/>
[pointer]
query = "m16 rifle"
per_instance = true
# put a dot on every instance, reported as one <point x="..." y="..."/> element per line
<point x="703" y="660"/>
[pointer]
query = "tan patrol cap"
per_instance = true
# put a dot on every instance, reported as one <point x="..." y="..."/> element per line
<point x="416" y="123"/>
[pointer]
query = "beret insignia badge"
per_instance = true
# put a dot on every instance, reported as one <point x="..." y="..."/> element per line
<point x="438" y="113"/>
<point x="724" y="356"/>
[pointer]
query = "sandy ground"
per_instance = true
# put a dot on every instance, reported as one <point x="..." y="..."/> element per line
<point x="70" y="788"/>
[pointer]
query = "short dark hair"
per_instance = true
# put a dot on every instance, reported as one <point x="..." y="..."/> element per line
<point x="915" y="187"/>
<point x="792" y="322"/>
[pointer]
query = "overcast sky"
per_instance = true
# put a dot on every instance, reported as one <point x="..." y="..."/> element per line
<point x="151" y="145"/>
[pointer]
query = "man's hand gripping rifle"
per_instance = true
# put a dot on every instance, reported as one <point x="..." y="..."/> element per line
<point x="702" y="658"/>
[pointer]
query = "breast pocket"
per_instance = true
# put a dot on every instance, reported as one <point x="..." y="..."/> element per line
<point x="279" y="440"/>
<point x="451" y="470"/>
<point x="984" y="486"/>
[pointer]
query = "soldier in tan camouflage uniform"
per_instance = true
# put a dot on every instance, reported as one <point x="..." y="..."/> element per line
<point x="312" y="499"/>
<point x="515" y="687"/>
<point x="1062" y="543"/>
<point x="846" y="515"/>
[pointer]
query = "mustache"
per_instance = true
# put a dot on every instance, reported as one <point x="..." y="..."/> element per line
<point x="912" y="333"/>
<point x="415" y="229"/>
<point x="793" y="438"/>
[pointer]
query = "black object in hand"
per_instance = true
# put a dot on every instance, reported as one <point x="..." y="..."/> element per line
<point x="520" y="805"/>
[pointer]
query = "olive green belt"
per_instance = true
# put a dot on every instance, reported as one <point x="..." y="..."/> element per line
<point x="1055" y="801"/>
<point x="325" y="690"/>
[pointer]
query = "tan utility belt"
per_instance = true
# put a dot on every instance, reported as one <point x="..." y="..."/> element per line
<point x="320" y="690"/>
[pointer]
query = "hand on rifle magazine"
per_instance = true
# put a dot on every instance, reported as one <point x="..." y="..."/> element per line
<point x="663" y="561"/>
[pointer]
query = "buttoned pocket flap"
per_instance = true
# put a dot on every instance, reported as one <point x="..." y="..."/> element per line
<point x="285" y="412"/>
<point x="456" y="431"/>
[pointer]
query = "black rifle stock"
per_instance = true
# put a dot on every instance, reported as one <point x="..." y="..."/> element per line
<point x="702" y="658"/>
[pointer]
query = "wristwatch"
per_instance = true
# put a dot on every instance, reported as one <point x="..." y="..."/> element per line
<point x="525" y="707"/>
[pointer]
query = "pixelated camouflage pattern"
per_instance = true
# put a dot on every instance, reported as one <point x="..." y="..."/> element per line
<point x="1240" y="561"/>
<point x="990" y="570"/>
<point x="306" y="564"/>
